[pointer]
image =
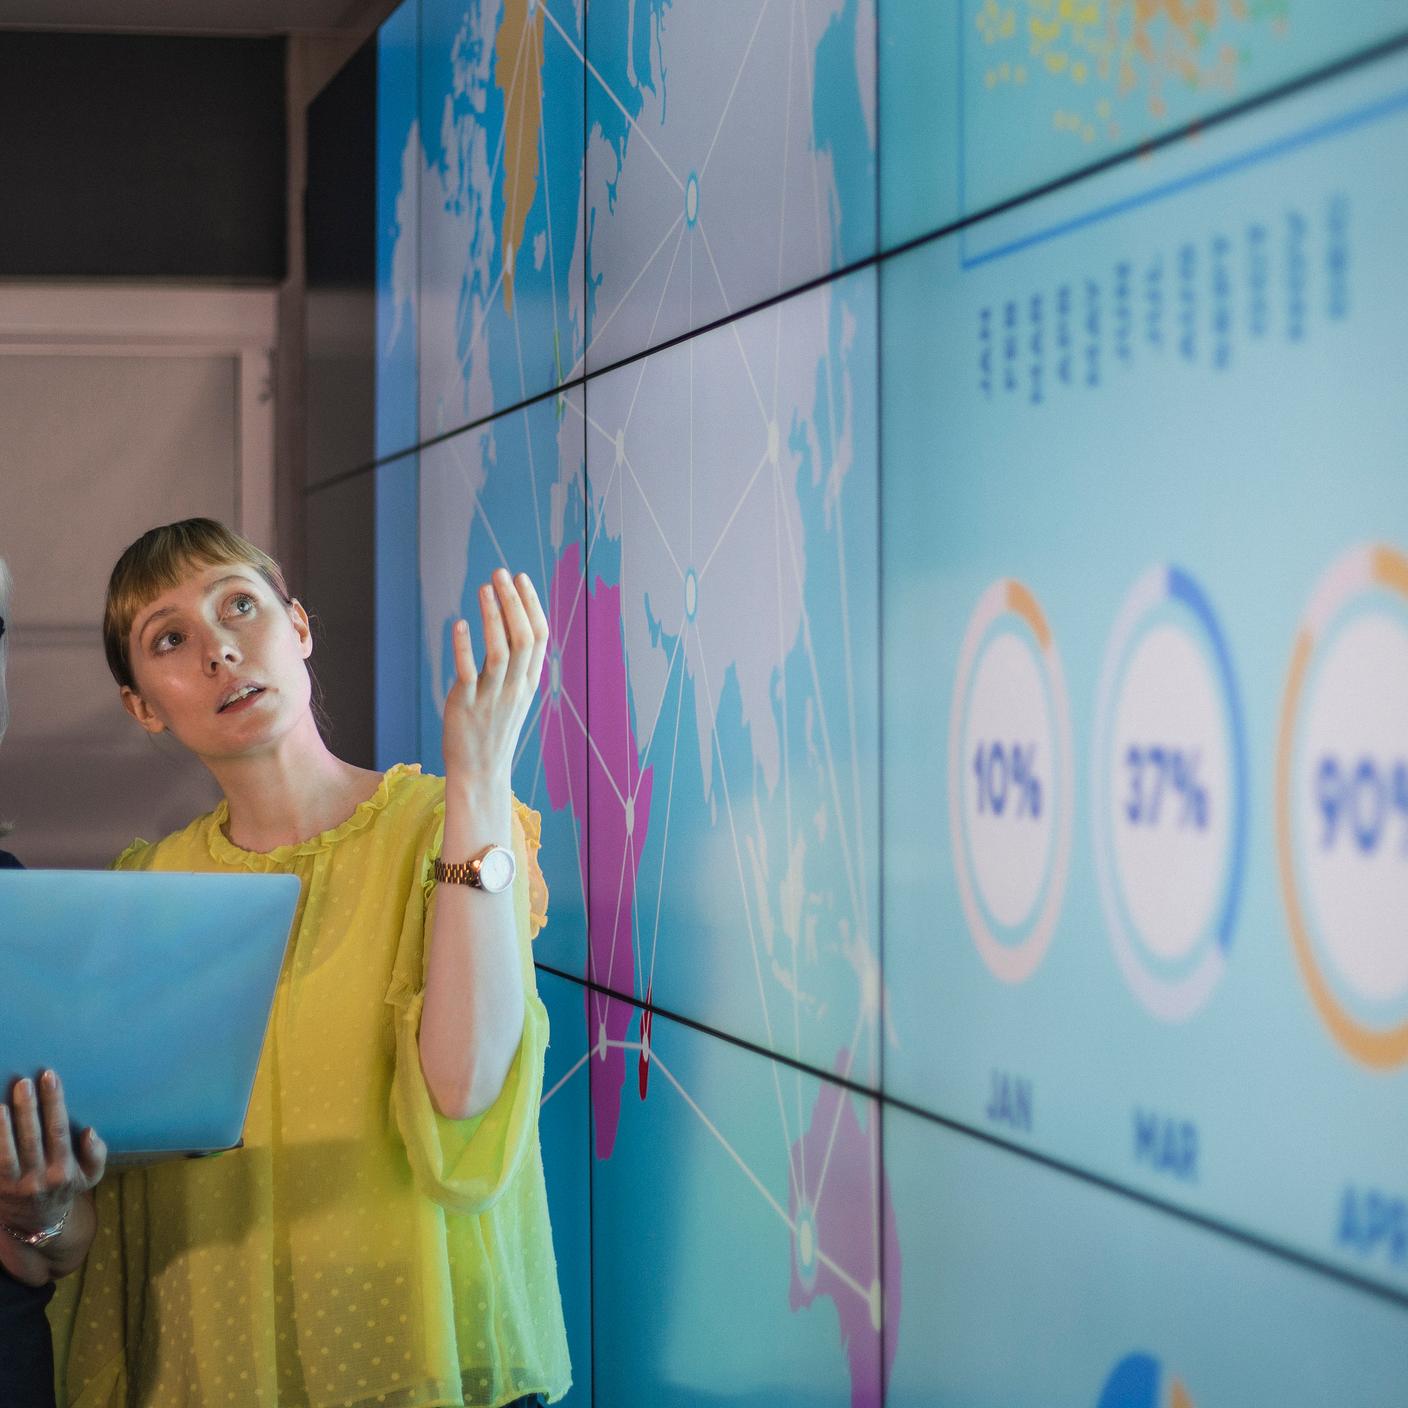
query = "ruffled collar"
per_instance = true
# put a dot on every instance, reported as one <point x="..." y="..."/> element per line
<point x="224" y="850"/>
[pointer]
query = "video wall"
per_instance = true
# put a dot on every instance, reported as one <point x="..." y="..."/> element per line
<point x="963" y="449"/>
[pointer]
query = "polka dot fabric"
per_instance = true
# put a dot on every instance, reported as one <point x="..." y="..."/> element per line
<point x="359" y="1249"/>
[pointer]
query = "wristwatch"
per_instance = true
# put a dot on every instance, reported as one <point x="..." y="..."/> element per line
<point x="492" y="870"/>
<point x="38" y="1239"/>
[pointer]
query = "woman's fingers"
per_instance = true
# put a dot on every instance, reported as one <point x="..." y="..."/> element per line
<point x="464" y="654"/>
<point x="24" y="1118"/>
<point x="54" y="1116"/>
<point x="9" y="1155"/>
<point x="92" y="1156"/>
<point x="516" y="624"/>
<point x="39" y="1171"/>
<point x="495" y="637"/>
<point x="537" y="624"/>
<point x="490" y="704"/>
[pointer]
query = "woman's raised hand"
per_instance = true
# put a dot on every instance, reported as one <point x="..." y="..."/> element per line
<point x="41" y="1172"/>
<point x="486" y="707"/>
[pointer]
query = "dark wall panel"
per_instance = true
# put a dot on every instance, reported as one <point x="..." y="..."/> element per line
<point x="340" y="388"/>
<point x="340" y="243"/>
<point x="142" y="157"/>
<point x="339" y="592"/>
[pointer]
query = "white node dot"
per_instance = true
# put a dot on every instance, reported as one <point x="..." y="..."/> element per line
<point x="508" y="257"/>
<point x="806" y="1240"/>
<point x="691" y="199"/>
<point x="875" y="1301"/>
<point x="601" y="1041"/>
<point x="645" y="1045"/>
<point x="620" y="447"/>
<point x="691" y="594"/>
<point x="774" y="442"/>
<point x="555" y="674"/>
<point x="630" y="816"/>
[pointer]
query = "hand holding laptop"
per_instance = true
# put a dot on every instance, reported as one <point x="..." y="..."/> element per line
<point x="42" y="1171"/>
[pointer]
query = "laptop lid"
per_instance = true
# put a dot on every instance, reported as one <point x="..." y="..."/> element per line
<point x="149" y="993"/>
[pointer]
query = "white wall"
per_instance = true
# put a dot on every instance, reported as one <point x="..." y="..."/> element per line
<point x="121" y="409"/>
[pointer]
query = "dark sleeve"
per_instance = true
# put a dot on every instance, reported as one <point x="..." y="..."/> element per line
<point x="8" y="862"/>
<point x="26" y="1352"/>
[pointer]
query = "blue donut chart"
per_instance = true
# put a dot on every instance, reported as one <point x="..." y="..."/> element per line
<point x="1170" y="997"/>
<point x="1183" y="588"/>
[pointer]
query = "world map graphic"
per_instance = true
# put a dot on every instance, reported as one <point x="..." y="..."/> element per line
<point x="700" y="747"/>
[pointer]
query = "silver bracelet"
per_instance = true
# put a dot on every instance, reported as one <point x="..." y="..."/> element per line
<point x="38" y="1239"/>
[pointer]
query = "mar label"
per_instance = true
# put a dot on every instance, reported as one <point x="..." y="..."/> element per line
<point x="1166" y="1144"/>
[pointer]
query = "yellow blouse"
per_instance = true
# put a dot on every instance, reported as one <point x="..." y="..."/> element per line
<point x="359" y="1249"/>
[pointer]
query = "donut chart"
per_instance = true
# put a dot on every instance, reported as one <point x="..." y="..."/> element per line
<point x="1342" y="802"/>
<point x="1010" y="780"/>
<point x="1169" y="793"/>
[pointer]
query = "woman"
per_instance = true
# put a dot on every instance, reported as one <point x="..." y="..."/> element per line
<point x="46" y="1209"/>
<point x="382" y="1237"/>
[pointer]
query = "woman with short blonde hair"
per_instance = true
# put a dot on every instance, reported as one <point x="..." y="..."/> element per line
<point x="382" y="1236"/>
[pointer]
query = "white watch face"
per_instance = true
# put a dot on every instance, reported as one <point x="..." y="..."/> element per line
<point x="496" y="869"/>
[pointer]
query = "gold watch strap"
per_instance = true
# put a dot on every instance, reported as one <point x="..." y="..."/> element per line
<point x="458" y="872"/>
<point x="477" y="872"/>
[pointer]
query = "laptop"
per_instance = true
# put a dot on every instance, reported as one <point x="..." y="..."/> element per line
<point x="149" y="993"/>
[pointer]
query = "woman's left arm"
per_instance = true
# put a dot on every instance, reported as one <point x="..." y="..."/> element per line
<point x="472" y="1018"/>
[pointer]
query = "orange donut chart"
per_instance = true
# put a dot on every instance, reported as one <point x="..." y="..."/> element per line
<point x="1367" y="568"/>
<point x="1012" y="958"/>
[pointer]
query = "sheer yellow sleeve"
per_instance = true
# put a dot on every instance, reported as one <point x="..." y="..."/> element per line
<point x="531" y="825"/>
<point x="91" y="1370"/>
<point x="465" y="1165"/>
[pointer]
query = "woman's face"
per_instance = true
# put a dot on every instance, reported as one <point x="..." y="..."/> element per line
<point x="219" y="661"/>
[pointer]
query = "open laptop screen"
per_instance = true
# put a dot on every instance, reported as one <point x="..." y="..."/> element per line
<point x="148" y="993"/>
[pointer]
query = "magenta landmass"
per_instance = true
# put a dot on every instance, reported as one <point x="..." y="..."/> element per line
<point x="844" y="1220"/>
<point x="593" y="781"/>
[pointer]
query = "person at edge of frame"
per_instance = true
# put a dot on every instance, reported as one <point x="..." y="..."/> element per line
<point x="46" y="1202"/>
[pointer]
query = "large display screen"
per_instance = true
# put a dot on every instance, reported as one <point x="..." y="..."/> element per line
<point x="963" y="450"/>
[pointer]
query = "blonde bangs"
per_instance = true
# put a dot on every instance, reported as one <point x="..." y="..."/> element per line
<point x="158" y="561"/>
